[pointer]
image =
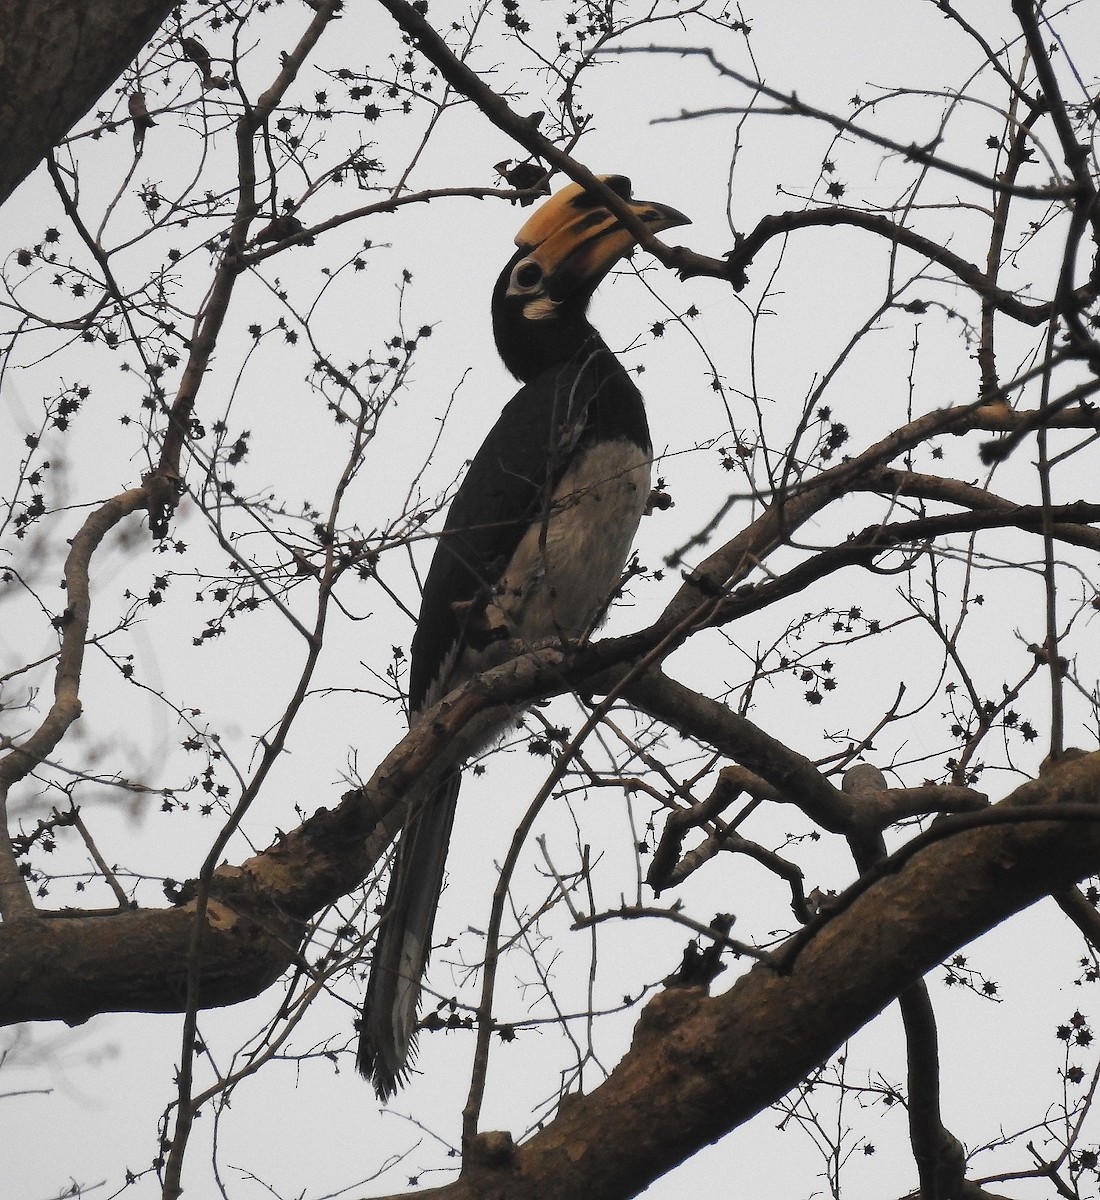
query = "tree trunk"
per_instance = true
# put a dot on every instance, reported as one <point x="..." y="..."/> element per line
<point x="57" y="57"/>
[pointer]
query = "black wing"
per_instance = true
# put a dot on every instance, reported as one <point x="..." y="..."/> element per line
<point x="506" y="489"/>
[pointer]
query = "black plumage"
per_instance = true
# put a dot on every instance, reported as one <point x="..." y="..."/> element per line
<point x="532" y="549"/>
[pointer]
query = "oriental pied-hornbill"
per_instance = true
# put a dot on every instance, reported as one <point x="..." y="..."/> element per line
<point x="532" y="549"/>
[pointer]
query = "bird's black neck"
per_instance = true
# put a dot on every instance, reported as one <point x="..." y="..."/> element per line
<point x="563" y="355"/>
<point x="531" y="348"/>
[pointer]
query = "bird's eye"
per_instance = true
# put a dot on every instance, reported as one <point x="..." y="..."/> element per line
<point x="527" y="275"/>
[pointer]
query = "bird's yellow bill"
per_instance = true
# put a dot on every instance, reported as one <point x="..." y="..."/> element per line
<point x="571" y="227"/>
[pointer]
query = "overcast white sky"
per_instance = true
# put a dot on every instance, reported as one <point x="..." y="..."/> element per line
<point x="84" y="1104"/>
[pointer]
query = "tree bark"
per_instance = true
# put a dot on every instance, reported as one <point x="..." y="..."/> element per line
<point x="57" y="57"/>
<point x="700" y="1066"/>
<point x="62" y="968"/>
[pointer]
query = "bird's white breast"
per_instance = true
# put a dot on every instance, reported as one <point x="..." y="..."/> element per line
<point x="562" y="575"/>
<point x="567" y="565"/>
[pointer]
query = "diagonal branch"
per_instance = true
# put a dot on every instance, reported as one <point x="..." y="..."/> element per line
<point x="792" y="105"/>
<point x="526" y="134"/>
<point x="701" y="1066"/>
<point x="967" y="273"/>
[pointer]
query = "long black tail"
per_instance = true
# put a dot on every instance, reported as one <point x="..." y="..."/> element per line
<point x="387" y="1033"/>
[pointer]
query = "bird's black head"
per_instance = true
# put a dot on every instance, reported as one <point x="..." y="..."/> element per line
<point x="566" y="247"/>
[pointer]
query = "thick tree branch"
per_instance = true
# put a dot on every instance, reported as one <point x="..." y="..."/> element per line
<point x="62" y="968"/>
<point x="861" y="549"/>
<point x="700" y="1066"/>
<point x="57" y="57"/>
<point x="263" y="904"/>
<point x="892" y="482"/>
<point x="794" y="776"/>
<point x="331" y="852"/>
<point x="704" y="589"/>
